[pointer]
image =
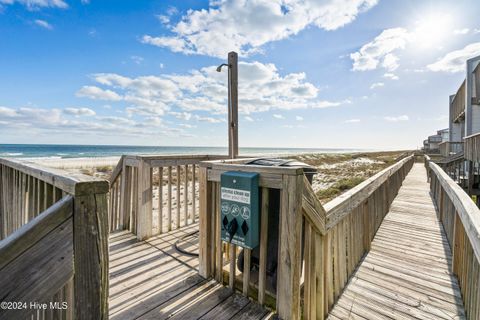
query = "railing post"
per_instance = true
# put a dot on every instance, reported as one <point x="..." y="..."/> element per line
<point x="90" y="243"/>
<point x="125" y="196"/>
<point x="205" y="225"/>
<point x="290" y="241"/>
<point x="144" y="214"/>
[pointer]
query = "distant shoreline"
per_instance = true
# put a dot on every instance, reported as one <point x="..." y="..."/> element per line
<point x="56" y="152"/>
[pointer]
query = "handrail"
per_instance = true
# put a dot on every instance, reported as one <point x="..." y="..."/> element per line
<point x="35" y="229"/>
<point x="468" y="212"/>
<point x="349" y="224"/>
<point x="36" y="261"/>
<point x="40" y="273"/>
<point x="473" y="135"/>
<point x="460" y="218"/>
<point x="64" y="180"/>
<point x="472" y="147"/>
<point x="312" y="208"/>
<point x="133" y="183"/>
<point x="40" y="251"/>
<point x="342" y="205"/>
<point x="117" y="170"/>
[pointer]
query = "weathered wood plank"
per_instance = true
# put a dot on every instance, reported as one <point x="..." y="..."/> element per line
<point x="23" y="280"/>
<point x="29" y="234"/>
<point x="406" y="274"/>
<point x="90" y="252"/>
<point x="289" y="260"/>
<point x="313" y="209"/>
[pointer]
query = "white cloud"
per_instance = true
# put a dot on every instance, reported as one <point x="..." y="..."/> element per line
<point x="36" y="4"/>
<point x="137" y="59"/>
<point x="44" y="24"/>
<point x="381" y="51"/>
<point x="79" y="111"/>
<point x="186" y="125"/>
<point x="461" y="31"/>
<point x="298" y="118"/>
<point x="27" y="115"/>
<point x="181" y="115"/>
<point x="476" y="31"/>
<point x="455" y="61"/>
<point x="396" y="119"/>
<point x="377" y="85"/>
<point x="93" y="92"/>
<point x="278" y="116"/>
<point x="53" y="121"/>
<point x="329" y="104"/>
<point x="117" y="120"/>
<point x="249" y="119"/>
<point x="174" y="44"/>
<point x="163" y="18"/>
<point x="244" y="26"/>
<point x="352" y="121"/>
<point x="261" y="88"/>
<point x="7" y="112"/>
<point x="208" y="119"/>
<point x="391" y="76"/>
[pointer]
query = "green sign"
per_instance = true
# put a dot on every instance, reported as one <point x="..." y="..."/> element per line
<point x="240" y="208"/>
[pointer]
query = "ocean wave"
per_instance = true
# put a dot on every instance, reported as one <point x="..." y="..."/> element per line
<point x="11" y="154"/>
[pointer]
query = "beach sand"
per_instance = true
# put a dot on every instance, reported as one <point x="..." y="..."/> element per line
<point x="337" y="173"/>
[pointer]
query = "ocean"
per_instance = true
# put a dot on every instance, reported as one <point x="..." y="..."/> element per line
<point x="88" y="151"/>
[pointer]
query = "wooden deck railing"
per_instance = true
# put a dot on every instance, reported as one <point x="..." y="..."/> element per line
<point x="448" y="148"/>
<point x="472" y="147"/>
<point x="461" y="221"/>
<point x="54" y="243"/>
<point x="352" y="220"/>
<point x="153" y="194"/>
<point x="457" y="107"/>
<point x="334" y="239"/>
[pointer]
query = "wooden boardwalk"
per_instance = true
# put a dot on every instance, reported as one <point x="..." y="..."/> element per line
<point x="151" y="280"/>
<point x="407" y="274"/>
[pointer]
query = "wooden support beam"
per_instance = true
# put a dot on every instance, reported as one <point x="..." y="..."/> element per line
<point x="90" y="241"/>
<point x="290" y="239"/>
<point x="205" y="223"/>
<point x="144" y="214"/>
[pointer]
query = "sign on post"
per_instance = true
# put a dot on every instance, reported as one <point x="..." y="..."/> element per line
<point x="240" y="208"/>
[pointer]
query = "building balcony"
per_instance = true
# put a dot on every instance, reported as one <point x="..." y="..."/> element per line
<point x="449" y="148"/>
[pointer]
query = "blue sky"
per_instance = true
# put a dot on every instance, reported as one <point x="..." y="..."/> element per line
<point x="351" y="73"/>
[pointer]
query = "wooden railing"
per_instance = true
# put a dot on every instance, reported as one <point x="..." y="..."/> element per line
<point x="448" y="148"/>
<point x="150" y="195"/>
<point x="334" y="239"/>
<point x="352" y="221"/>
<point x="457" y="107"/>
<point x="460" y="218"/>
<point x="54" y="246"/>
<point x="472" y="147"/>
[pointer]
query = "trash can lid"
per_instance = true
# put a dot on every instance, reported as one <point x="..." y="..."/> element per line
<point x="276" y="162"/>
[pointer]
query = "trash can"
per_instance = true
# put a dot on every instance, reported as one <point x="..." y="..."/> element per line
<point x="273" y="219"/>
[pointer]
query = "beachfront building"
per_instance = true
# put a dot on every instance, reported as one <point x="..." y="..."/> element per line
<point x="431" y="145"/>
<point x="461" y="152"/>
